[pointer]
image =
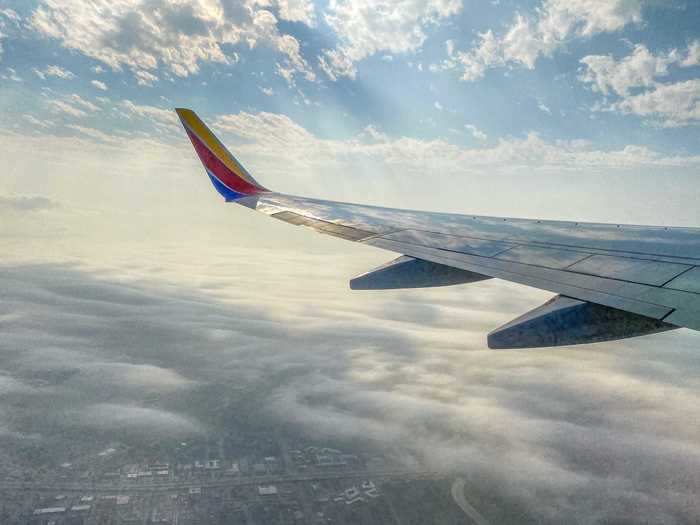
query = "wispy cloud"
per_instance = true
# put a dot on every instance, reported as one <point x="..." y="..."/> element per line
<point x="53" y="71"/>
<point x="475" y="132"/>
<point x="26" y="203"/>
<point x="74" y="106"/>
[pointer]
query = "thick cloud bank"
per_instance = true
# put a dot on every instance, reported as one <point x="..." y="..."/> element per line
<point x="595" y="434"/>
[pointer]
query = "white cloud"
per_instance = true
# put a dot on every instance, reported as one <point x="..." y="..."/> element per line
<point x="144" y="78"/>
<point x="372" y="133"/>
<point x="113" y="416"/>
<point x="336" y="63"/>
<point x="544" y="108"/>
<point x="554" y="24"/>
<point x="692" y="57"/>
<point x="60" y="106"/>
<point x="673" y="105"/>
<point x="53" y="71"/>
<point x="10" y="14"/>
<point x="129" y="376"/>
<point x="99" y="85"/>
<point x="163" y="118"/>
<point x="297" y="11"/>
<point x="294" y="63"/>
<point x="144" y="35"/>
<point x="670" y="104"/>
<point x="37" y="123"/>
<point x="92" y="133"/>
<point x="639" y="69"/>
<point x="74" y="106"/>
<point x="267" y="91"/>
<point x="474" y="63"/>
<point x="7" y="15"/>
<point x="26" y="203"/>
<point x="11" y="74"/>
<point x="367" y="27"/>
<point x="475" y="132"/>
<point x="81" y="102"/>
<point x="438" y="106"/>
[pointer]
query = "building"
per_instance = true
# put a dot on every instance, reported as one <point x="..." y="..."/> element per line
<point x="267" y="490"/>
<point x="49" y="510"/>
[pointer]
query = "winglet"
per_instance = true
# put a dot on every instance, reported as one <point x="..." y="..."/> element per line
<point x="227" y="175"/>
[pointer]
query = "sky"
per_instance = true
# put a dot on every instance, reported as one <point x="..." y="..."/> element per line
<point x="123" y="269"/>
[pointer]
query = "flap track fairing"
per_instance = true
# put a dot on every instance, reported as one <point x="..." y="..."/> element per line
<point x="408" y="272"/>
<point x="565" y="321"/>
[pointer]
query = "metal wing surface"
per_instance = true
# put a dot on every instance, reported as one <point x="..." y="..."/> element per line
<point x="625" y="280"/>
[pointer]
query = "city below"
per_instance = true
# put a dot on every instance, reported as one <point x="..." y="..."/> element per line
<point x="282" y="485"/>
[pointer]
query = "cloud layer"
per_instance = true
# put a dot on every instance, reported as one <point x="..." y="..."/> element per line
<point x="599" y="432"/>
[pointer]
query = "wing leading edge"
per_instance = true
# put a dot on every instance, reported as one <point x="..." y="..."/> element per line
<point x="614" y="281"/>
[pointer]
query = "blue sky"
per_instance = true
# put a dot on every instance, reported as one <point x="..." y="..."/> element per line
<point x="453" y="89"/>
<point x="399" y="74"/>
<point x="591" y="109"/>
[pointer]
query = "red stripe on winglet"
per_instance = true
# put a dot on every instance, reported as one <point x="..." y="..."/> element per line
<point x="218" y="168"/>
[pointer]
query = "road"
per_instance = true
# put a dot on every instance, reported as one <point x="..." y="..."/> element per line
<point x="130" y="487"/>
<point x="461" y="500"/>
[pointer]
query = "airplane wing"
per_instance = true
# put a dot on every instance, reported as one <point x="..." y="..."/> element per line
<point x="613" y="281"/>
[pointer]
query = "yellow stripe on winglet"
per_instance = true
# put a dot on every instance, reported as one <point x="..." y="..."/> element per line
<point x="196" y="125"/>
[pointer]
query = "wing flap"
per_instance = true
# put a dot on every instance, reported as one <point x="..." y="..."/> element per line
<point x="556" y="259"/>
<point x="655" y="273"/>
<point x="587" y="288"/>
<point x="687" y="282"/>
<point x="336" y="230"/>
<point x="453" y="243"/>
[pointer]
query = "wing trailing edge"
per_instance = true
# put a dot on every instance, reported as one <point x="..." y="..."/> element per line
<point x="615" y="281"/>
